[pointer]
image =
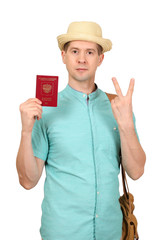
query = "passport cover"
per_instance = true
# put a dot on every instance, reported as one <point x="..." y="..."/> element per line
<point x="47" y="90"/>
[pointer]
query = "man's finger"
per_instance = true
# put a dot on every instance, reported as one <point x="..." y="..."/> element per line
<point x="131" y="88"/>
<point x="117" y="87"/>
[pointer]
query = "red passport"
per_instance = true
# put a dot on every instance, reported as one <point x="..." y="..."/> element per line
<point x="47" y="90"/>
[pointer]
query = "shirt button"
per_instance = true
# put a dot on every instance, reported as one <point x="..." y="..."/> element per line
<point x="96" y="215"/>
<point x="97" y="192"/>
<point x="84" y="95"/>
<point x="114" y="128"/>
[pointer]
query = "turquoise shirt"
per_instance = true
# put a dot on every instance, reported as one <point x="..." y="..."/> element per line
<point x="80" y="144"/>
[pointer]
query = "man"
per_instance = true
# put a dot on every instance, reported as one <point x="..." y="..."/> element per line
<point x="79" y="142"/>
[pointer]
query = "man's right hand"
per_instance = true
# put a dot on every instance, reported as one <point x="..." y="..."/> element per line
<point x="29" y="109"/>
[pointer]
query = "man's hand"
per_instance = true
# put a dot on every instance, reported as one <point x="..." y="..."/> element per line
<point x="122" y="105"/>
<point x="133" y="155"/>
<point x="29" y="109"/>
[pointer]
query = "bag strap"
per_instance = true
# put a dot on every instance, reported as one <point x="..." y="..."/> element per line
<point x="124" y="179"/>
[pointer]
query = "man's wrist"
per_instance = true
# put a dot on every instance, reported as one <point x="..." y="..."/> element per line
<point x="127" y="128"/>
<point x="26" y="133"/>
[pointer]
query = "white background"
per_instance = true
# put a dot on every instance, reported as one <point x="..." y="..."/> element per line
<point x="28" y="47"/>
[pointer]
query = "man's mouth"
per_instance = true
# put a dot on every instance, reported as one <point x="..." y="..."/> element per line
<point x="81" y="69"/>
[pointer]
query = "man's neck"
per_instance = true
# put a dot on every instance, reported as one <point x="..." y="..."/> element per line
<point x="86" y="88"/>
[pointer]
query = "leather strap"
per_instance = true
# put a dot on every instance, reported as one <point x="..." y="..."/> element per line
<point x="124" y="179"/>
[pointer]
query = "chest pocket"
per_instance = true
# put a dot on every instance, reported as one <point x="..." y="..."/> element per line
<point x="108" y="134"/>
<point x="114" y="141"/>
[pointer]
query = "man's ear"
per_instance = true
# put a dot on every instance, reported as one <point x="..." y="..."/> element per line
<point x="101" y="57"/>
<point x="63" y="54"/>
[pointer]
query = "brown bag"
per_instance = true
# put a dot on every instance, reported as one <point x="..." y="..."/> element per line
<point x="129" y="225"/>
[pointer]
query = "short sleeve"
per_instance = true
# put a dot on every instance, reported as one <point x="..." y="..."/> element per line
<point x="134" y="120"/>
<point x="40" y="140"/>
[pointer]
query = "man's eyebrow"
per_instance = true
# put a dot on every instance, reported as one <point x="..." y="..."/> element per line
<point x="91" y="49"/>
<point x="88" y="49"/>
<point x="73" y="48"/>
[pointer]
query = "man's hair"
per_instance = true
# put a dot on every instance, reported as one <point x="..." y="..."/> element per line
<point x="99" y="48"/>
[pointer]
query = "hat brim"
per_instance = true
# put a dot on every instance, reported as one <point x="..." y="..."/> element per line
<point x="106" y="44"/>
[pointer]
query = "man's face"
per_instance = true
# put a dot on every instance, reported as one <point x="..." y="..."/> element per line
<point x="82" y="60"/>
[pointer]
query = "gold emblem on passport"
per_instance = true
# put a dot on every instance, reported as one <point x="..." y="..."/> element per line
<point x="47" y="88"/>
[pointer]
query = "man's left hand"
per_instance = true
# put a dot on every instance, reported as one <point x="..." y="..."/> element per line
<point x="122" y="105"/>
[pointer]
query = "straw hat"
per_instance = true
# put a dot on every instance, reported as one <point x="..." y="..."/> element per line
<point x="86" y="31"/>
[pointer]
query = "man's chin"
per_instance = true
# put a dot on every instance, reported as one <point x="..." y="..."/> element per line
<point x="81" y="78"/>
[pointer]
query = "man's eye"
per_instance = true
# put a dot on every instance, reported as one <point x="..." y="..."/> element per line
<point x="90" y="53"/>
<point x="74" y="51"/>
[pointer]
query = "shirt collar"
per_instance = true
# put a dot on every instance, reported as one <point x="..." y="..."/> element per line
<point x="80" y="95"/>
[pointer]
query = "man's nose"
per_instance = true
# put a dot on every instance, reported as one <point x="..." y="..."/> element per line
<point x="82" y="58"/>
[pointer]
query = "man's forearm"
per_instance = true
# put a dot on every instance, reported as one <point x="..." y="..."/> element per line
<point x="133" y="156"/>
<point x="26" y="163"/>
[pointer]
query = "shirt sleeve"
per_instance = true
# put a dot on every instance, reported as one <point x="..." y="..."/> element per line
<point x="134" y="120"/>
<point x="40" y="140"/>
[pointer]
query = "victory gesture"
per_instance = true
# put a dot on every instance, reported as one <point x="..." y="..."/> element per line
<point x="122" y="105"/>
